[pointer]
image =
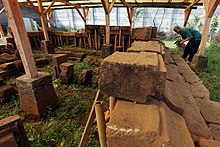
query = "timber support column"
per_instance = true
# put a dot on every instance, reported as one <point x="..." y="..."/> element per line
<point x="107" y="49"/>
<point x="200" y="61"/>
<point x="35" y="89"/>
<point x="46" y="45"/>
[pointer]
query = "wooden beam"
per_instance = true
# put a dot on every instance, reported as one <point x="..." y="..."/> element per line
<point x="20" y="36"/>
<point x="33" y="6"/>
<point x="130" y="15"/>
<point x="187" y="13"/>
<point x="192" y="4"/>
<point x="2" y="31"/>
<point x="48" y="8"/>
<point x="85" y="13"/>
<point x="213" y="4"/>
<point x="105" y="6"/>
<point x="111" y="6"/>
<point x="43" y="20"/>
<point x="206" y="5"/>
<point x="205" y="33"/>
<point x="126" y="4"/>
<point x="81" y="15"/>
<point x="107" y="20"/>
<point x="2" y="10"/>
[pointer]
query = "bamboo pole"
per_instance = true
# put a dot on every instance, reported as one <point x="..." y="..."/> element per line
<point x="101" y="123"/>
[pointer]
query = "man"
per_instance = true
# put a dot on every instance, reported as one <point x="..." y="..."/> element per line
<point x="194" y="37"/>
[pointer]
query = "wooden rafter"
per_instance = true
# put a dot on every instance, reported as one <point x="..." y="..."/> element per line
<point x="33" y="6"/>
<point x="187" y="13"/>
<point x="105" y="6"/>
<point x="111" y="6"/>
<point x="81" y="15"/>
<point x="48" y="8"/>
<point x="2" y="10"/>
<point x="126" y="4"/>
<point x="213" y="4"/>
<point x="192" y="4"/>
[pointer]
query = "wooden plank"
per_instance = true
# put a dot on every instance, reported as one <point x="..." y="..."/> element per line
<point x="99" y="41"/>
<point x="96" y="45"/>
<point x="90" y="121"/>
<point x="90" y="41"/>
<point x="123" y="42"/>
<point x="42" y="18"/>
<point x="20" y="35"/>
<point x="115" y="44"/>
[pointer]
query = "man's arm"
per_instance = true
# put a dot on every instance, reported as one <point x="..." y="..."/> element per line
<point x="184" y="40"/>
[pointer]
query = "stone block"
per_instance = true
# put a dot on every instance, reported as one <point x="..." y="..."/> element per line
<point x="207" y="143"/>
<point x="67" y="72"/>
<point x="56" y="61"/>
<point x="215" y="129"/>
<point x="95" y="76"/>
<point x="7" y="66"/>
<point x="172" y="98"/>
<point x="145" y="46"/>
<point x="199" y="90"/>
<point x="154" y="32"/>
<point x="199" y="63"/>
<point x="143" y="34"/>
<point x="210" y="110"/>
<point x="19" y="65"/>
<point x="9" y="50"/>
<point x="107" y="50"/>
<point x="47" y="46"/>
<point x="6" y="91"/>
<point x="42" y="62"/>
<point x="85" y="77"/>
<point x="12" y="132"/>
<point x="119" y="48"/>
<point x="150" y="125"/>
<point x="7" y="57"/>
<point x="132" y="76"/>
<point x="36" y="94"/>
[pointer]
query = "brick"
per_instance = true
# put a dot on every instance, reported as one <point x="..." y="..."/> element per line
<point x="36" y="94"/>
<point x="143" y="34"/>
<point x="207" y="143"/>
<point x="67" y="72"/>
<point x="12" y="132"/>
<point x="56" y="61"/>
<point x="148" y="125"/>
<point x="215" y="129"/>
<point x="6" y="91"/>
<point x="132" y="76"/>
<point x="7" y="66"/>
<point x="145" y="46"/>
<point x="210" y="110"/>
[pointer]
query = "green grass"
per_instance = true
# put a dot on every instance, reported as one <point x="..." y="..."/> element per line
<point x="63" y="124"/>
<point x="211" y="78"/>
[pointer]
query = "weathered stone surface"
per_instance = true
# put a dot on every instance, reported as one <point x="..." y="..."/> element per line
<point x="199" y="90"/>
<point x="85" y="78"/>
<point x="7" y="66"/>
<point x="12" y="132"/>
<point x="207" y="143"/>
<point x="7" y="50"/>
<point x="8" y="140"/>
<point x="145" y="46"/>
<point x="106" y="50"/>
<point x="6" y="91"/>
<point x="36" y="94"/>
<point x="215" y="129"/>
<point x="19" y="65"/>
<point x="47" y="46"/>
<point x="143" y="34"/>
<point x="210" y="110"/>
<point x="188" y="75"/>
<point x="95" y="76"/>
<point x="7" y="57"/>
<point x="146" y="126"/>
<point x="67" y="72"/>
<point x="42" y="62"/>
<point x="194" y="120"/>
<point x="172" y="98"/>
<point x="132" y="76"/>
<point x="56" y="61"/>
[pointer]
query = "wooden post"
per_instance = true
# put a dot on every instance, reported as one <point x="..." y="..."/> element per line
<point x="112" y="101"/>
<point x="43" y="20"/>
<point x="1" y="31"/>
<point x="107" y="19"/>
<point x="205" y="33"/>
<point x="20" y="35"/>
<point x="210" y="8"/>
<point x="186" y="16"/>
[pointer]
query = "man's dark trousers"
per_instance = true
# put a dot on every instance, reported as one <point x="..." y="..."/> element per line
<point x="191" y="49"/>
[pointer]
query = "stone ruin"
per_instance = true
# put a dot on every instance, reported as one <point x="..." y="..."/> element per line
<point x="160" y="100"/>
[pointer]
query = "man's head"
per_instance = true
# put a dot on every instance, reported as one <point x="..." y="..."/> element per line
<point x="177" y="29"/>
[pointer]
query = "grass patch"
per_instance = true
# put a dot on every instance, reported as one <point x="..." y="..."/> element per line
<point x="63" y="124"/>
